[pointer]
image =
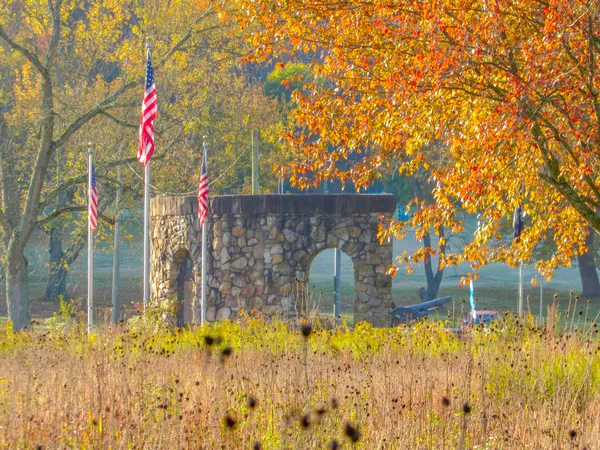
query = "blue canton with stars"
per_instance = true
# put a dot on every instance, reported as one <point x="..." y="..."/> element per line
<point x="149" y="74"/>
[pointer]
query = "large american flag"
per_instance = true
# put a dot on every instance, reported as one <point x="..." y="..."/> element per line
<point x="93" y="202"/>
<point x="149" y="113"/>
<point x="203" y="193"/>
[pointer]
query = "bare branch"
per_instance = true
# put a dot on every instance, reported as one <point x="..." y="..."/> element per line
<point x="80" y="179"/>
<point x="117" y="120"/>
<point x="58" y="212"/>
<point x="30" y="56"/>
<point x="185" y="37"/>
<point x="53" y="47"/>
<point x="85" y="118"/>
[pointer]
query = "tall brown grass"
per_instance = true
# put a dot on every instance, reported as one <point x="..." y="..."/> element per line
<point x="254" y="384"/>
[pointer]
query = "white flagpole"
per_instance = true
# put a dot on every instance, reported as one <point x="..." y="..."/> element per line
<point x="146" y="234"/>
<point x="541" y="299"/>
<point x="204" y="271"/>
<point x="147" y="222"/>
<point x="521" y="306"/>
<point x="90" y="305"/>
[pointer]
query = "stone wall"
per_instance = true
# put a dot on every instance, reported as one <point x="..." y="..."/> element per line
<point x="258" y="245"/>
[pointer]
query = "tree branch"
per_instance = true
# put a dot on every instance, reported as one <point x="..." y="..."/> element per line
<point x="57" y="212"/>
<point x="117" y="120"/>
<point x="53" y="47"/>
<point x="98" y="109"/>
<point x="30" y="56"/>
<point x="185" y="37"/>
<point x="83" y="178"/>
<point x="85" y="118"/>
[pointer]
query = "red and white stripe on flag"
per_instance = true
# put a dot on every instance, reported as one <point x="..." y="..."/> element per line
<point x="93" y="202"/>
<point x="203" y="193"/>
<point x="149" y="113"/>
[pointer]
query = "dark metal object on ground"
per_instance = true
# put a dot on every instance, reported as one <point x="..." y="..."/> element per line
<point x="406" y="314"/>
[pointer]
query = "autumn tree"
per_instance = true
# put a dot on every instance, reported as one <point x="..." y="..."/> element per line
<point x="74" y="70"/>
<point x="65" y="75"/>
<point x="509" y="88"/>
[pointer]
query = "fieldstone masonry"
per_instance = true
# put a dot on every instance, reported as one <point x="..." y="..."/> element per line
<point x="259" y="244"/>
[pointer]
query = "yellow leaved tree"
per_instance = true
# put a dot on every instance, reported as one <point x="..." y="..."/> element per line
<point x="507" y="90"/>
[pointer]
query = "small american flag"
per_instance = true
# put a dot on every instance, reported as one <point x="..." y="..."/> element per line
<point x="203" y="193"/>
<point x="93" y="202"/>
<point x="149" y="113"/>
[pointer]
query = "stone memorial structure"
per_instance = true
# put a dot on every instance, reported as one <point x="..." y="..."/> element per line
<point x="258" y="245"/>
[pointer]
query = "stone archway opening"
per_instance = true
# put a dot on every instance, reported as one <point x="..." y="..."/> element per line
<point x="321" y="280"/>
<point x="184" y="281"/>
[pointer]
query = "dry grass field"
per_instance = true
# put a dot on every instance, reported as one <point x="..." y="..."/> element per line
<point x="253" y="384"/>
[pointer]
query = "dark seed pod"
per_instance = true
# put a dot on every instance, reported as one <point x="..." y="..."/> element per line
<point x="229" y="421"/>
<point x="572" y="434"/>
<point x="351" y="432"/>
<point x="306" y="330"/>
<point x="305" y="421"/>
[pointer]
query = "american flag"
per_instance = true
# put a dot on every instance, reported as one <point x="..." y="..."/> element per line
<point x="93" y="202"/>
<point x="203" y="193"/>
<point x="149" y="113"/>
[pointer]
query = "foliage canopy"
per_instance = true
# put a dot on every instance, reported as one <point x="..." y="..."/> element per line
<point x="497" y="102"/>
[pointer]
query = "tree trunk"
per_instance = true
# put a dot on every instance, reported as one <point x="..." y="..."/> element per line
<point x="434" y="281"/>
<point x="57" y="273"/>
<point x="17" y="295"/>
<point x="587" y="269"/>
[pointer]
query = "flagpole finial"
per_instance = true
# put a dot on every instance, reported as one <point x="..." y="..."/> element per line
<point x="90" y="148"/>
<point x="204" y="141"/>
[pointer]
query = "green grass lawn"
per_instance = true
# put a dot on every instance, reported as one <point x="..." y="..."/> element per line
<point x="496" y="288"/>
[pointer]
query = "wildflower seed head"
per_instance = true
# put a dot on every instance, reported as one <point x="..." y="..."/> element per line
<point x="351" y="432"/>
<point x="334" y="445"/>
<point x="251" y="402"/>
<point x="256" y="446"/>
<point x="321" y="410"/>
<point x="445" y="401"/>
<point x="305" y="421"/>
<point x="229" y="421"/>
<point x="572" y="434"/>
<point x="209" y="340"/>
<point x="306" y="330"/>
<point x="467" y="408"/>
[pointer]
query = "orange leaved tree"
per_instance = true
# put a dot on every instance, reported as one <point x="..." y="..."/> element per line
<point x="506" y="91"/>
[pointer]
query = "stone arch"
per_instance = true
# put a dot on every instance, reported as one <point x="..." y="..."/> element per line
<point x="258" y="245"/>
<point x="357" y="238"/>
<point x="330" y="274"/>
